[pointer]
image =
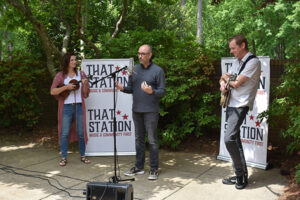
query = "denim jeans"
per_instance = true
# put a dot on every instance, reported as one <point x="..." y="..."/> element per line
<point x="232" y="139"/>
<point x="146" y="122"/>
<point x="68" y="114"/>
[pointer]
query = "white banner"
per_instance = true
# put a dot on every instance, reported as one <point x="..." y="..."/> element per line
<point x="99" y="109"/>
<point x="254" y="133"/>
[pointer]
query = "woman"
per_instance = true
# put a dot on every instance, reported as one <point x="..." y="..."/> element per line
<point x="71" y="106"/>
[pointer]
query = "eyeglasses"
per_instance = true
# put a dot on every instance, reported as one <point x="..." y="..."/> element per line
<point x="142" y="54"/>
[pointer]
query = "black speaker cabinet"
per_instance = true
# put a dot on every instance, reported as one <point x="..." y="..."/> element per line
<point x="109" y="191"/>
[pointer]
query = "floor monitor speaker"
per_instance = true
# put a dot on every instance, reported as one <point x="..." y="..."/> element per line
<point x="109" y="191"/>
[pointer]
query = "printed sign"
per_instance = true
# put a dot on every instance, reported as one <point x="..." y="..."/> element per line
<point x="100" y="108"/>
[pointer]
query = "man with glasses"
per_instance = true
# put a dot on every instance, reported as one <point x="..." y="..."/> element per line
<point x="147" y="85"/>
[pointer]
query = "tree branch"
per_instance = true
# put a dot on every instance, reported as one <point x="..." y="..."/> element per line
<point x="121" y="20"/>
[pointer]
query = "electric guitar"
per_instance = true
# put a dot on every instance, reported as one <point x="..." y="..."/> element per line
<point x="226" y="96"/>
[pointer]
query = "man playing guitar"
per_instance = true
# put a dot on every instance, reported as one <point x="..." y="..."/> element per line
<point x="243" y="92"/>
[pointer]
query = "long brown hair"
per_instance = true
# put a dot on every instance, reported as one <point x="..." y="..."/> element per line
<point x="65" y="63"/>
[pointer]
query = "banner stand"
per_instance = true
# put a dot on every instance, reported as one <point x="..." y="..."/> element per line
<point x="109" y="122"/>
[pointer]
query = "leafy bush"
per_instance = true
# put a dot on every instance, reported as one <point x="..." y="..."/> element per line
<point x="286" y="107"/>
<point x="20" y="104"/>
<point x="190" y="101"/>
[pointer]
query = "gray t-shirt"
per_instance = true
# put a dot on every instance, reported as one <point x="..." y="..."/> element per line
<point x="245" y="94"/>
<point x="155" y="77"/>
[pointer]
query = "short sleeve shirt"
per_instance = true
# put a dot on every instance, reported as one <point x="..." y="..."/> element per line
<point x="245" y="94"/>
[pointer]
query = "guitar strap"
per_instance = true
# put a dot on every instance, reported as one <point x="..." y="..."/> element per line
<point x="244" y="64"/>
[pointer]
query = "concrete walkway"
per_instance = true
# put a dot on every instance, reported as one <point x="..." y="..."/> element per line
<point x="182" y="176"/>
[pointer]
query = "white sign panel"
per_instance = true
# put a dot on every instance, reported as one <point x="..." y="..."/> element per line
<point x="254" y="133"/>
<point x="100" y="109"/>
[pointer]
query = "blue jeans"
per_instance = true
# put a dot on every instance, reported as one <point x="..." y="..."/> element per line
<point x="68" y="114"/>
<point x="232" y="139"/>
<point x="146" y="122"/>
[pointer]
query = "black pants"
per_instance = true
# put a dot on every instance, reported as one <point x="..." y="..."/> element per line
<point x="235" y="118"/>
<point x="146" y="122"/>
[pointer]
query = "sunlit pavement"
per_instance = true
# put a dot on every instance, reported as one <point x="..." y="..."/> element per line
<point x="31" y="172"/>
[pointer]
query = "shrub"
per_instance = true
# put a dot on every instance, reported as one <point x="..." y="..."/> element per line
<point x="20" y="104"/>
<point x="286" y="107"/>
<point x="190" y="101"/>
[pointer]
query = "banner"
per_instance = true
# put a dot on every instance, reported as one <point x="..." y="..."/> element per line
<point x="99" y="109"/>
<point x="254" y="133"/>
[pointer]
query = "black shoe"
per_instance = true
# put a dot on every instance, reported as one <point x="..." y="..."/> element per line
<point x="241" y="182"/>
<point x="229" y="181"/>
<point x="133" y="171"/>
<point x="246" y="179"/>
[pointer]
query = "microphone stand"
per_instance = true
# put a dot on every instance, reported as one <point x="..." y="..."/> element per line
<point x="114" y="178"/>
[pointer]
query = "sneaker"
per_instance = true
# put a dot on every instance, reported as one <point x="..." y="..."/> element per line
<point x="153" y="174"/>
<point x="229" y="181"/>
<point x="133" y="171"/>
<point x="241" y="182"/>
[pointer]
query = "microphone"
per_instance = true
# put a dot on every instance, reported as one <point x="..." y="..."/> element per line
<point x="89" y="77"/>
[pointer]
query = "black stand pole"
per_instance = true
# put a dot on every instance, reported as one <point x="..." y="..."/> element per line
<point x="115" y="178"/>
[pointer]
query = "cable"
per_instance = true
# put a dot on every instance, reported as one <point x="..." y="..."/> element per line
<point x="27" y="170"/>
<point x="9" y="169"/>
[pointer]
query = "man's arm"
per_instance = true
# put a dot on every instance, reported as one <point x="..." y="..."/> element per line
<point x="160" y="91"/>
<point x="240" y="80"/>
<point x="127" y="89"/>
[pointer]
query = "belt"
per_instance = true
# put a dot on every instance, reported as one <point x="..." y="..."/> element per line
<point x="75" y="103"/>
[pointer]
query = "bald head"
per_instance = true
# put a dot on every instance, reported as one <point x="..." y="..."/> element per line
<point x="145" y="54"/>
<point x="147" y="47"/>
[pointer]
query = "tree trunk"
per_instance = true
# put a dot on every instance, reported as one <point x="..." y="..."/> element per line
<point x="2" y="14"/>
<point x="66" y="39"/>
<point x="199" y="22"/>
<point x="81" y="35"/>
<point x="82" y="30"/>
<point x="121" y="20"/>
<point x="66" y="25"/>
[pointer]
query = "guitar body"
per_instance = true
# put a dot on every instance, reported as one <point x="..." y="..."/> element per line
<point x="226" y="96"/>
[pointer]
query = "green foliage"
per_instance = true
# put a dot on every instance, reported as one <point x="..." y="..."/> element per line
<point x="20" y="104"/>
<point x="189" y="104"/>
<point x="286" y="107"/>
<point x="272" y="29"/>
<point x="298" y="173"/>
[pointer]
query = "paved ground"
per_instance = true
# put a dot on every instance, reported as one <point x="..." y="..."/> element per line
<point x="189" y="176"/>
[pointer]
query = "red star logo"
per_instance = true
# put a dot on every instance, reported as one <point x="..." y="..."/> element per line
<point x="117" y="68"/>
<point x="118" y="112"/>
<point x="125" y="117"/>
<point x="124" y="72"/>
<point x="251" y="117"/>
<point x="257" y="123"/>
